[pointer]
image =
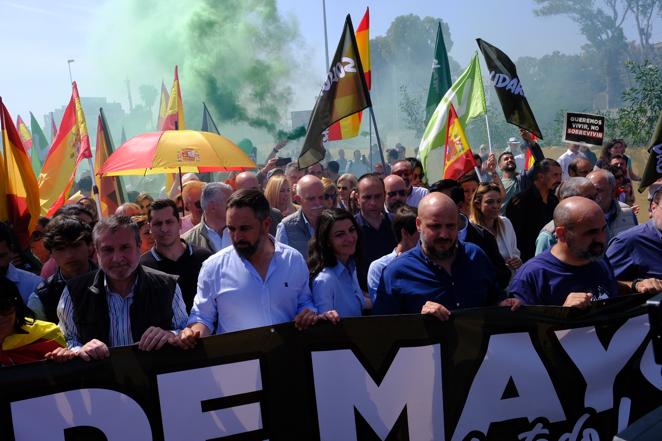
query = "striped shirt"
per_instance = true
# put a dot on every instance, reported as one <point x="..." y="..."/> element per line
<point x="118" y="314"/>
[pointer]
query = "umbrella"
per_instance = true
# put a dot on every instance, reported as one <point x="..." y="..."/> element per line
<point x="171" y="151"/>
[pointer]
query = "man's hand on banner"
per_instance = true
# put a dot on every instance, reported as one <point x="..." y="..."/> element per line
<point x="436" y="310"/>
<point x="331" y="316"/>
<point x="305" y="319"/>
<point x="94" y="350"/>
<point x="580" y="300"/>
<point x="187" y="338"/>
<point x="154" y="338"/>
<point x="647" y="286"/>
<point x="61" y="355"/>
<point x="513" y="303"/>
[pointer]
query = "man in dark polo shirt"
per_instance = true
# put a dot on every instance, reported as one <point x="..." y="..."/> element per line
<point x="441" y="273"/>
<point x="170" y="254"/>
<point x="573" y="272"/>
<point x="636" y="254"/>
<point x="533" y="208"/>
<point x="374" y="224"/>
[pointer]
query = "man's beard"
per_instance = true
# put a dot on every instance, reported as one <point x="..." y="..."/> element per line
<point x="510" y="168"/>
<point x="594" y="252"/>
<point x="436" y="254"/>
<point x="246" y="249"/>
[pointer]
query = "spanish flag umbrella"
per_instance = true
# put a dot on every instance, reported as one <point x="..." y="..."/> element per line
<point x="172" y="151"/>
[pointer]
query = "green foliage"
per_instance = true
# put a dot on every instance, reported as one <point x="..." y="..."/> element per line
<point x="413" y="110"/>
<point x="148" y="94"/>
<point x="643" y="103"/>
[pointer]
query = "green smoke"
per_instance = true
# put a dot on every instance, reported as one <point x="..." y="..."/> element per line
<point x="236" y="55"/>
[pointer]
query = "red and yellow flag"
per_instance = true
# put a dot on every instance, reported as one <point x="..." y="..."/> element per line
<point x="24" y="133"/>
<point x="174" y="116"/>
<point x="163" y="106"/>
<point x="20" y="187"/>
<point x="349" y="127"/>
<point x="70" y="146"/>
<point x="458" y="157"/>
<point x="108" y="190"/>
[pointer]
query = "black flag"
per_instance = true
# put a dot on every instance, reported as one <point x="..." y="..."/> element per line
<point x="509" y="89"/>
<point x="344" y="93"/>
<point x="653" y="170"/>
<point x="208" y="124"/>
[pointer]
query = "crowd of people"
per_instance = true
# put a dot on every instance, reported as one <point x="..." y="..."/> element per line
<point x="327" y="243"/>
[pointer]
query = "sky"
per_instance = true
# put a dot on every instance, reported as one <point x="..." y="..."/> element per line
<point x="40" y="36"/>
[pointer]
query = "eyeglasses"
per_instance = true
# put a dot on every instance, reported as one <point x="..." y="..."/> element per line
<point x="402" y="173"/>
<point x="396" y="193"/>
<point x="329" y="196"/>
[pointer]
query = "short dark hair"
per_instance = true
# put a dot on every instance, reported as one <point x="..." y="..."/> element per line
<point x="542" y="167"/>
<point x="468" y="177"/>
<point x="113" y="224"/>
<point x="66" y="230"/>
<point x="449" y="187"/>
<point x="333" y="166"/>
<point x="507" y="152"/>
<point x="405" y="218"/>
<point x="250" y="198"/>
<point x="160" y="204"/>
<point x="375" y="176"/>
<point x="7" y="235"/>
<point x="73" y="210"/>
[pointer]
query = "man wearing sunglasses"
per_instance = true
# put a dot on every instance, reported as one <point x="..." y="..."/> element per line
<point x="404" y="169"/>
<point x="396" y="193"/>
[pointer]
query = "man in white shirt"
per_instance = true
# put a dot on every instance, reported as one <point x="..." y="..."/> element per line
<point x="211" y="233"/>
<point x="566" y="158"/>
<point x="256" y="282"/>
<point x="405" y="170"/>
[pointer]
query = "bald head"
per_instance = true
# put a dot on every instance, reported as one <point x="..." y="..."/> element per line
<point x="310" y="193"/>
<point x="580" y="167"/>
<point x="604" y="183"/>
<point x="396" y="192"/>
<point x="437" y="203"/>
<point x="574" y="210"/>
<point x="576" y="186"/>
<point x="247" y="181"/>
<point x="581" y="230"/>
<point x="437" y="222"/>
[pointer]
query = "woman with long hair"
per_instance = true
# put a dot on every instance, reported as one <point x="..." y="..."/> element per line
<point x="279" y="195"/>
<point x="485" y="206"/>
<point x="613" y="148"/>
<point x="334" y="253"/>
<point x="22" y="338"/>
<point x="330" y="193"/>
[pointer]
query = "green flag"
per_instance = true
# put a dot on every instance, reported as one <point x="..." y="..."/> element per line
<point x="653" y="170"/>
<point x="468" y="99"/>
<point x="440" y="81"/>
<point x="39" y="145"/>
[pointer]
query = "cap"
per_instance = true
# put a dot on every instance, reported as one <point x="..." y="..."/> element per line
<point x="513" y="140"/>
<point x="654" y="188"/>
<point x="274" y="171"/>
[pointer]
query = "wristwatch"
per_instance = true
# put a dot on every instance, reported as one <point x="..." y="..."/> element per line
<point x="633" y="287"/>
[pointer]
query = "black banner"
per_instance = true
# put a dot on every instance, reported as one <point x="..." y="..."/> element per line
<point x="491" y="374"/>
<point x="509" y="89"/>
<point x="653" y="170"/>
<point x="583" y="128"/>
<point x="344" y="93"/>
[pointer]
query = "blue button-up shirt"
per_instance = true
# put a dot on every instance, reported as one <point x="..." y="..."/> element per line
<point x="232" y="295"/>
<point x="637" y="253"/>
<point x="412" y="279"/>
<point x="25" y="282"/>
<point x="338" y="288"/>
<point x="375" y="272"/>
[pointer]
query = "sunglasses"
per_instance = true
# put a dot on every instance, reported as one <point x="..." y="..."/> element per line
<point x="396" y="193"/>
<point x="329" y="196"/>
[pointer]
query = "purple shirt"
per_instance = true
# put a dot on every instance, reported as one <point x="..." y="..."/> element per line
<point x="545" y="280"/>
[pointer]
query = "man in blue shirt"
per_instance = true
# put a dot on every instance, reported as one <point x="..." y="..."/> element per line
<point x="256" y="282"/>
<point x="441" y="273"/>
<point x="25" y="282"/>
<point x="636" y="254"/>
<point x="573" y="272"/>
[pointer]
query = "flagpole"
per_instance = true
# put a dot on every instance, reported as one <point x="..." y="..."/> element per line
<point x="379" y="142"/>
<point x="326" y="39"/>
<point x="489" y="138"/>
<point x="370" y="149"/>
<point x="95" y="189"/>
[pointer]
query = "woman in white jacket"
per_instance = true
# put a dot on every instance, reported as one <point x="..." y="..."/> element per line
<point x="485" y="206"/>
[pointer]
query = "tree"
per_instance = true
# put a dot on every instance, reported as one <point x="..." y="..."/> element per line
<point x="414" y="111"/>
<point x="148" y="94"/>
<point x="636" y="120"/>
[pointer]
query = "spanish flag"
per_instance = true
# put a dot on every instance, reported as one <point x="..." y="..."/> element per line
<point x="163" y="106"/>
<point x="109" y="191"/>
<point x="458" y="158"/>
<point x="20" y="186"/>
<point x="349" y="127"/>
<point x="70" y="146"/>
<point x="174" y="116"/>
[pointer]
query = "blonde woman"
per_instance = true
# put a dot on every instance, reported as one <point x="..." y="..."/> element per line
<point x="279" y="195"/>
<point x="485" y="206"/>
<point x="346" y="185"/>
<point x="330" y="193"/>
